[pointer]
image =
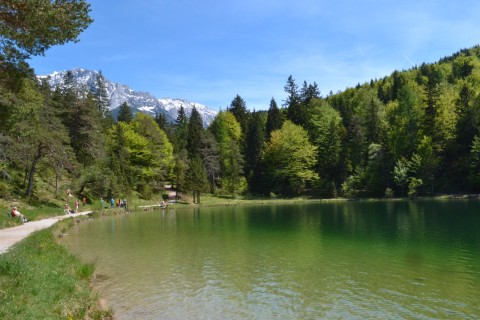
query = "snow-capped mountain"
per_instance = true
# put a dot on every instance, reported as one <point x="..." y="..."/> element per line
<point x="139" y="101"/>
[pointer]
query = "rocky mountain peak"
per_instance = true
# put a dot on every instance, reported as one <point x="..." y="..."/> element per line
<point x="139" y="101"/>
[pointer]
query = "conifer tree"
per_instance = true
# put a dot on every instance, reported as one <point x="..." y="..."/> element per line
<point x="296" y="110"/>
<point x="197" y="180"/>
<point x="161" y="120"/>
<point x="238" y="108"/>
<point x="194" y="133"/>
<point x="29" y="28"/>
<point x="100" y="93"/>
<point x="210" y="151"/>
<point x="309" y="92"/>
<point x="181" y="127"/>
<point x="274" y="119"/>
<point x="125" y="113"/>
<point x="255" y="140"/>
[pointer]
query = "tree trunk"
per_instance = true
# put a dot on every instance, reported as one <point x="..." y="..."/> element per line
<point x="33" y="168"/>
<point x="56" y="185"/>
<point x="30" y="176"/>
<point x="25" y="176"/>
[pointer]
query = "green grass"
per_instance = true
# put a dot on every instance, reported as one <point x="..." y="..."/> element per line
<point x="40" y="279"/>
<point x="35" y="211"/>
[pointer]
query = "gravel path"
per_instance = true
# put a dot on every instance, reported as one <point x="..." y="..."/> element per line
<point x="10" y="236"/>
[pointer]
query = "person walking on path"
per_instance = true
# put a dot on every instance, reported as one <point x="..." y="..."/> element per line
<point x="10" y="236"/>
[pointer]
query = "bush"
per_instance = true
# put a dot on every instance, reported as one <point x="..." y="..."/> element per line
<point x="388" y="193"/>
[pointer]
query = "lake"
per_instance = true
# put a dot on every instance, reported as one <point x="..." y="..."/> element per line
<point x="338" y="260"/>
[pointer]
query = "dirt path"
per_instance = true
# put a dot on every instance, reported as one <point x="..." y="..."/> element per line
<point x="10" y="236"/>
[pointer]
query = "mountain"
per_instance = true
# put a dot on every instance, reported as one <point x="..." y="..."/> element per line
<point x="139" y="101"/>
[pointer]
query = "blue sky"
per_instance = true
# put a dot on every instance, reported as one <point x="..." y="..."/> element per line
<point x="209" y="51"/>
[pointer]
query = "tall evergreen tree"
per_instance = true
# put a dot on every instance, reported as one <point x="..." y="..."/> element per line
<point x="181" y="127"/>
<point x="194" y="133"/>
<point x="238" y="108"/>
<point x="309" y="92"/>
<point x="125" y="113"/>
<point x="101" y="95"/>
<point x="84" y="124"/>
<point x="210" y="151"/>
<point x="255" y="140"/>
<point x="274" y="119"/>
<point x="296" y="111"/>
<point x="197" y="180"/>
<point x="161" y="120"/>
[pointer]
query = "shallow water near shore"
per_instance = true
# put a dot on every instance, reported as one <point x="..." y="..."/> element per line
<point x="355" y="260"/>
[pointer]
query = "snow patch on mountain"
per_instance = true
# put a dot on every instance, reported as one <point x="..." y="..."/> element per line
<point x="139" y="101"/>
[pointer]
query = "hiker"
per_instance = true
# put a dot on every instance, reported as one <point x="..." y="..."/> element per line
<point x="66" y="209"/>
<point x="84" y="200"/>
<point x="164" y="204"/>
<point x="75" y="206"/>
<point x="16" y="213"/>
<point x="112" y="203"/>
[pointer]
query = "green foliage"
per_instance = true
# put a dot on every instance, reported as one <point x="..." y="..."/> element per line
<point x="296" y="108"/>
<point x="413" y="186"/>
<point x="238" y="108"/>
<point x="389" y="193"/>
<point x="194" y="133"/>
<point x="354" y="184"/>
<point x="41" y="280"/>
<point x="139" y="154"/>
<point x="197" y="180"/>
<point x="290" y="159"/>
<point x="326" y="132"/>
<point x="274" y="119"/>
<point x="413" y="132"/>
<point x="30" y="27"/>
<point x="125" y="113"/>
<point x="400" y="173"/>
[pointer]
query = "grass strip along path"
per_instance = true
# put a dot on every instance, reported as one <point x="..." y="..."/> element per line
<point x="41" y="279"/>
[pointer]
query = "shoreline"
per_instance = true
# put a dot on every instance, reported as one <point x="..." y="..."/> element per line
<point x="58" y="230"/>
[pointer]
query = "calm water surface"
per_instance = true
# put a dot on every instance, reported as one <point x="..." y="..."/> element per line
<point x="354" y="260"/>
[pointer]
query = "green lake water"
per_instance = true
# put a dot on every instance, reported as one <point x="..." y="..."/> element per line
<point x="345" y="260"/>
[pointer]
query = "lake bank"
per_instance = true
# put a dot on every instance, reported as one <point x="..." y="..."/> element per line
<point x="41" y="279"/>
<point x="218" y="202"/>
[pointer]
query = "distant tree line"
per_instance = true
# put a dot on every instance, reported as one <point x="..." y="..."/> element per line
<point x="413" y="132"/>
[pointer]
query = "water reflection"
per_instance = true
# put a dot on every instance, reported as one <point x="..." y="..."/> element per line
<point x="414" y="259"/>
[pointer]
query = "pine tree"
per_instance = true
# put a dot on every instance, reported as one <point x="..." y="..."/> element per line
<point x="194" y="133"/>
<point x="274" y="119"/>
<point x="255" y="140"/>
<point x="125" y="113"/>
<point x="296" y="110"/>
<point x="100" y="93"/>
<point x="197" y="180"/>
<point x="161" y="120"/>
<point x="309" y="92"/>
<point x="29" y="28"/>
<point x="181" y="127"/>
<point x="210" y="151"/>
<point x="238" y="108"/>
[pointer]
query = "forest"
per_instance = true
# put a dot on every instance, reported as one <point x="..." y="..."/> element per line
<point x="413" y="132"/>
